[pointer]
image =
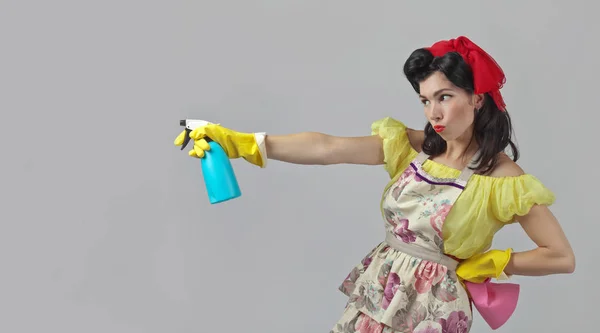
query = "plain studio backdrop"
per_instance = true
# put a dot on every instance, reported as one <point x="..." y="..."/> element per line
<point x="106" y="225"/>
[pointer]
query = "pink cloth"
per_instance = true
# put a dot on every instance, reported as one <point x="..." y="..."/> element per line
<point x="496" y="302"/>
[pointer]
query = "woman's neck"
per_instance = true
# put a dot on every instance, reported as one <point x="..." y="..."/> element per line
<point x="461" y="150"/>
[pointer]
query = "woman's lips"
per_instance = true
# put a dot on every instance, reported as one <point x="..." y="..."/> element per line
<point x="439" y="128"/>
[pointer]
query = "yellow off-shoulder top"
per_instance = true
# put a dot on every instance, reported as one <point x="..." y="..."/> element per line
<point x="486" y="204"/>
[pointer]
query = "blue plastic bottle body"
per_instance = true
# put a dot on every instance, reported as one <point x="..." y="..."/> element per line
<point x="219" y="178"/>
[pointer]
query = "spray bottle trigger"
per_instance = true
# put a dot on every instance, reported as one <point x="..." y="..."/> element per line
<point x="186" y="139"/>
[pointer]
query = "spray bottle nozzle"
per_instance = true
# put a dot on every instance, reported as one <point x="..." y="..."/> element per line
<point x="190" y="125"/>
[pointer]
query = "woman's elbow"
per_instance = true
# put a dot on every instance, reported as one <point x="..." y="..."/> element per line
<point x="569" y="263"/>
<point x="564" y="262"/>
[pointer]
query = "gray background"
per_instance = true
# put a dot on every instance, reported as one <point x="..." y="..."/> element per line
<point x="106" y="226"/>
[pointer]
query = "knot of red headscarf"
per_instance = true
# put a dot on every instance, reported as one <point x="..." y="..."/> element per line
<point x="487" y="75"/>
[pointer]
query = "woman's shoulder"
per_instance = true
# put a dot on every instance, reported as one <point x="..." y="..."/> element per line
<point x="507" y="176"/>
<point x="506" y="167"/>
<point x="394" y="126"/>
<point x="400" y="143"/>
<point x="510" y="191"/>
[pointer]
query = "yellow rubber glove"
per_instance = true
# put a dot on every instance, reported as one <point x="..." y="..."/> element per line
<point x="235" y="144"/>
<point x="478" y="268"/>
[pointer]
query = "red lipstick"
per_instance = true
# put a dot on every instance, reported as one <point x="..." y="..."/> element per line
<point x="439" y="128"/>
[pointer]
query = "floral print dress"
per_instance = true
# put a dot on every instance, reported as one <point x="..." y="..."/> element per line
<point x="407" y="283"/>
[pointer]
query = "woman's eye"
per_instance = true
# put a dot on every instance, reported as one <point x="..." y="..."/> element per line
<point x="424" y="102"/>
<point x="445" y="97"/>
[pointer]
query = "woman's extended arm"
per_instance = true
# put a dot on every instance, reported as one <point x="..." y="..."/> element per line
<point x="298" y="148"/>
<point x="324" y="149"/>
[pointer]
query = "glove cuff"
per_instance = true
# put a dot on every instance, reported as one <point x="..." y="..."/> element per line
<point x="260" y="141"/>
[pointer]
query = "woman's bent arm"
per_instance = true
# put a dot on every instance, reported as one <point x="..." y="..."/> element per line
<point x="323" y="149"/>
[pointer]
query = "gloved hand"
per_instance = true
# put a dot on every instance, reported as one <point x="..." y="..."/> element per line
<point x="482" y="266"/>
<point x="249" y="146"/>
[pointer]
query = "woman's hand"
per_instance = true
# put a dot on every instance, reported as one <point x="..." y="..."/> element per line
<point x="249" y="146"/>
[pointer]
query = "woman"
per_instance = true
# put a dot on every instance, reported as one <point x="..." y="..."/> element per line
<point x="452" y="188"/>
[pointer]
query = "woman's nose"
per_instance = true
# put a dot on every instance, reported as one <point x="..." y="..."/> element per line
<point x="436" y="118"/>
<point x="436" y="114"/>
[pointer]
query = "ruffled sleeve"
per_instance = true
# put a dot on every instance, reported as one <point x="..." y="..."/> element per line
<point x="512" y="197"/>
<point x="397" y="149"/>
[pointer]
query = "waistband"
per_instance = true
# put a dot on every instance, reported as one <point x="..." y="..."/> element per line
<point x="420" y="252"/>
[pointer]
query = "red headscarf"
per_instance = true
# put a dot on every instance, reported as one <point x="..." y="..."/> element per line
<point x="487" y="74"/>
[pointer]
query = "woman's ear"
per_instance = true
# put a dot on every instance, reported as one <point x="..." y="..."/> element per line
<point x="478" y="100"/>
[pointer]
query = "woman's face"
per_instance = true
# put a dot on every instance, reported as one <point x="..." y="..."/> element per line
<point x="447" y="107"/>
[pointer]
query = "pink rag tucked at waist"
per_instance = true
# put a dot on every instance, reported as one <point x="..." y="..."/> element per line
<point x="496" y="302"/>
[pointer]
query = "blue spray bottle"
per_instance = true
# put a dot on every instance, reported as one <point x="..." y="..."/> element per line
<point x="219" y="178"/>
